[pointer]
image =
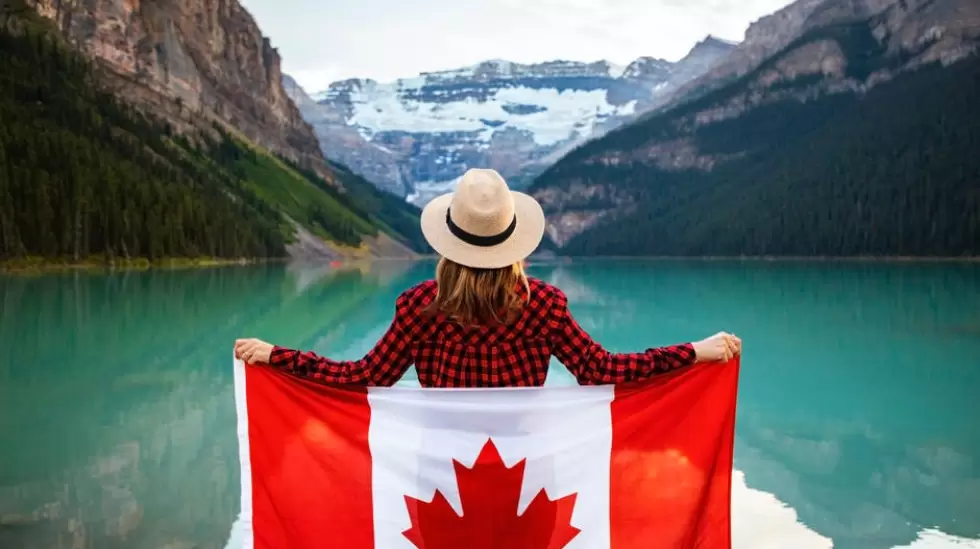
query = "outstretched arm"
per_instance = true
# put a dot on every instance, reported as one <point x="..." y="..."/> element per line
<point x="383" y="365"/>
<point x="591" y="364"/>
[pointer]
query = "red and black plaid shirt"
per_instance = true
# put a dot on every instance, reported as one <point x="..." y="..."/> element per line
<point x="447" y="354"/>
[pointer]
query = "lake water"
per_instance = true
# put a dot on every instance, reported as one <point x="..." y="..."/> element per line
<point x="858" y="418"/>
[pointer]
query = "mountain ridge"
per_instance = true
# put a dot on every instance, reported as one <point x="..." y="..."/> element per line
<point x="707" y="141"/>
<point x="416" y="135"/>
<point x="612" y="68"/>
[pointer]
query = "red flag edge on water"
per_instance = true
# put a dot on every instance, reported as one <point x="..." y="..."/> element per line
<point x="645" y="465"/>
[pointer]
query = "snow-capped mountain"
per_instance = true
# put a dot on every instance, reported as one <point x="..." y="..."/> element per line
<point x="415" y="136"/>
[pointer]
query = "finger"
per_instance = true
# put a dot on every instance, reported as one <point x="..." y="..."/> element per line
<point x="247" y="351"/>
<point x="729" y="344"/>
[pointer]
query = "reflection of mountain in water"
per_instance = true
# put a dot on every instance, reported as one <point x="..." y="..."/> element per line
<point x="835" y="417"/>
<point x="857" y="404"/>
<point x="864" y="489"/>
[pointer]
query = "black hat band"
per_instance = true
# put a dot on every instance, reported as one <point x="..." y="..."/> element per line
<point x="477" y="240"/>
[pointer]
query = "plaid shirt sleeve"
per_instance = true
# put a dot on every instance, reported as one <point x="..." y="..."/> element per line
<point x="591" y="364"/>
<point x="383" y="365"/>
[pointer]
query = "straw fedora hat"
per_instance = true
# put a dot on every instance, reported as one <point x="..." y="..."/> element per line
<point x="483" y="224"/>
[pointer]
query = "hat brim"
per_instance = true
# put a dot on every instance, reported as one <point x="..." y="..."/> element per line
<point x="526" y="238"/>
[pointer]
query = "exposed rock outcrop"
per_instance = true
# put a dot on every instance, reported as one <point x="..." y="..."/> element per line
<point x="808" y="50"/>
<point x="192" y="61"/>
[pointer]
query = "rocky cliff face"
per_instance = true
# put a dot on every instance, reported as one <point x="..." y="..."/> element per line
<point x="763" y="38"/>
<point x="192" y="61"/>
<point x="344" y="144"/>
<point x="773" y="33"/>
<point x="807" y="51"/>
<point x="415" y="136"/>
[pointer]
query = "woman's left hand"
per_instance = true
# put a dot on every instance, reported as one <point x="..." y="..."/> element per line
<point x="253" y="351"/>
<point x="719" y="347"/>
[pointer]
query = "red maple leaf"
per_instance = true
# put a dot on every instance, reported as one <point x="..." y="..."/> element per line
<point x="489" y="492"/>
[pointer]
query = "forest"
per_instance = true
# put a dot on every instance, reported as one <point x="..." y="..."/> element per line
<point x="84" y="177"/>
<point x="892" y="172"/>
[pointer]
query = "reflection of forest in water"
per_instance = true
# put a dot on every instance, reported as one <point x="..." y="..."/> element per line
<point x="857" y="399"/>
<point x="118" y="414"/>
<point x="856" y="406"/>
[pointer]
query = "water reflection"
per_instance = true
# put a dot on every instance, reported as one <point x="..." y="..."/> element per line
<point x="857" y="403"/>
<point x="117" y="423"/>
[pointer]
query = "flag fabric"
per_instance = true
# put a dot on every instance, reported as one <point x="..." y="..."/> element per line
<point x="640" y="466"/>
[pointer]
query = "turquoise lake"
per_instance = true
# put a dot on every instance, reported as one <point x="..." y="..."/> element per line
<point x="858" y="422"/>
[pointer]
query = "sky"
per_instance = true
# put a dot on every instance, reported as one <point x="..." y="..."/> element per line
<point x="322" y="41"/>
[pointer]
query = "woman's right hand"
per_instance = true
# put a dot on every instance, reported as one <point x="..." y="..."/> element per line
<point x="253" y="351"/>
<point x="720" y="347"/>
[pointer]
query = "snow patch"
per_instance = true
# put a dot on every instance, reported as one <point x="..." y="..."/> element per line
<point x="380" y="107"/>
<point x="616" y="71"/>
<point x="320" y="95"/>
<point x="425" y="191"/>
<point x="934" y="539"/>
<point x="412" y="83"/>
<point x="464" y="72"/>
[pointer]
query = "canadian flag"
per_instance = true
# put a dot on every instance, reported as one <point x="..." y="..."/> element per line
<point x="640" y="466"/>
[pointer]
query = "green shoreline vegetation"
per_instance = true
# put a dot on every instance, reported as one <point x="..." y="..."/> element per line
<point x="45" y="265"/>
<point x="41" y="265"/>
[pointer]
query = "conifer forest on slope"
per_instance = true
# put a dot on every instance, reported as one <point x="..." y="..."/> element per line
<point x="892" y="172"/>
<point x="83" y="175"/>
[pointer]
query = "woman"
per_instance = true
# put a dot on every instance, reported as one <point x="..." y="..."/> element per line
<point x="482" y="322"/>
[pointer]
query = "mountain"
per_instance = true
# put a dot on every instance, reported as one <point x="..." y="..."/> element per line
<point x="858" y="137"/>
<point x="130" y="135"/>
<point x="763" y="38"/>
<point x="415" y="136"/>
<point x="192" y="58"/>
<point x="345" y="144"/>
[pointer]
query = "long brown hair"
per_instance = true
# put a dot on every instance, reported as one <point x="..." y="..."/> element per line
<point x="480" y="296"/>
